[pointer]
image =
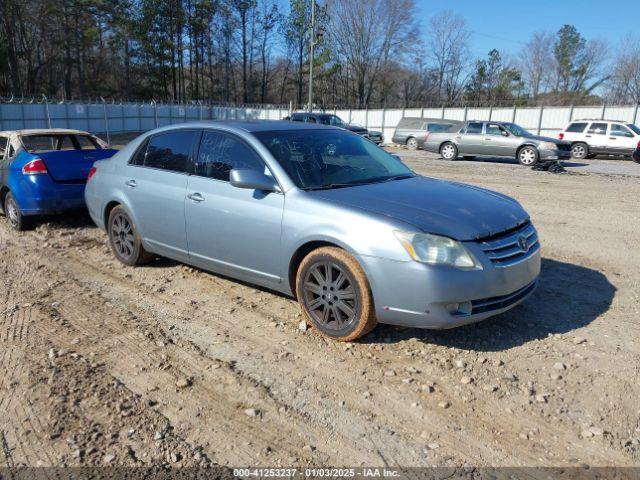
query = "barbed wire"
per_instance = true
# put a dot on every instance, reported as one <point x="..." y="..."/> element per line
<point x="8" y="98"/>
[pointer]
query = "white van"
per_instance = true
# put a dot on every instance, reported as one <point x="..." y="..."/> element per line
<point x="589" y="138"/>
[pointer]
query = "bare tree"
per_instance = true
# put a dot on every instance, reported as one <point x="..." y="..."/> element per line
<point x="625" y="79"/>
<point x="366" y="34"/>
<point x="536" y="62"/>
<point x="448" y="43"/>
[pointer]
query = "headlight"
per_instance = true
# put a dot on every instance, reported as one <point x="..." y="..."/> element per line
<point x="437" y="250"/>
<point x="547" y="146"/>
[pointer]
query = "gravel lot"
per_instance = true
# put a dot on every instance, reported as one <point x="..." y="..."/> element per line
<point x="103" y="364"/>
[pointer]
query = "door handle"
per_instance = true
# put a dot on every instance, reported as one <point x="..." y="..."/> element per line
<point x="588" y="136"/>
<point x="487" y="139"/>
<point x="196" y="197"/>
<point x="612" y="138"/>
<point x="131" y="183"/>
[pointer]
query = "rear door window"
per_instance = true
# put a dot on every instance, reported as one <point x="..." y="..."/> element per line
<point x="597" y="128"/>
<point x="474" y="127"/>
<point x="219" y="153"/>
<point x="3" y="146"/>
<point x="577" y="127"/>
<point x="437" y="127"/>
<point x="618" y="130"/>
<point x="141" y="152"/>
<point x="170" y="151"/>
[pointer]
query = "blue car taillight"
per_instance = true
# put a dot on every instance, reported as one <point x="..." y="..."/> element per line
<point x="34" y="167"/>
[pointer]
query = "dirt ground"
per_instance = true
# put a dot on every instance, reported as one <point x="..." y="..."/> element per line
<point x="102" y="364"/>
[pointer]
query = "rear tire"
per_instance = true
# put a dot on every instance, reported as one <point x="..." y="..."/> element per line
<point x="528" y="156"/>
<point x="334" y="294"/>
<point x="449" y="151"/>
<point x="15" y="218"/>
<point x="412" y="143"/>
<point x="124" y="239"/>
<point x="579" y="150"/>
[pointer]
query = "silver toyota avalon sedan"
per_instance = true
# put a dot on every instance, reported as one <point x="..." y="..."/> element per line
<point x="319" y="213"/>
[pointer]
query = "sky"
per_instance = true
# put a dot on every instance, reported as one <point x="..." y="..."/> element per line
<point x="507" y="25"/>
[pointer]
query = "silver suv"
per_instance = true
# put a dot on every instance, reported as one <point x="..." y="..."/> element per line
<point x="589" y="138"/>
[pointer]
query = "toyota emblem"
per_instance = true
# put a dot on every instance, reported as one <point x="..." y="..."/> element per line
<point x="522" y="243"/>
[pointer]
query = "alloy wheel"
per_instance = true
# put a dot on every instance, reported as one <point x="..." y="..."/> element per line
<point x="412" y="144"/>
<point x="122" y="236"/>
<point x="578" y="151"/>
<point x="527" y="156"/>
<point x="448" y="152"/>
<point x="12" y="212"/>
<point x="330" y="296"/>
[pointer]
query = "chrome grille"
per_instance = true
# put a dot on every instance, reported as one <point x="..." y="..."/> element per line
<point x="506" y="249"/>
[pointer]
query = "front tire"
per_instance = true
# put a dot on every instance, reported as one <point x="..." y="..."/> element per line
<point x="412" y="143"/>
<point x="528" y="156"/>
<point x="449" y="151"/>
<point x="579" y="151"/>
<point x="125" y="240"/>
<point x="334" y="294"/>
<point x="15" y="218"/>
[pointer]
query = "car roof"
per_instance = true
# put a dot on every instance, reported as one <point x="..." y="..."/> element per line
<point x="250" y="126"/>
<point x="598" y="120"/>
<point x="43" y="131"/>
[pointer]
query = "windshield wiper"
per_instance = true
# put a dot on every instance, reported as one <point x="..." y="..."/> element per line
<point x="329" y="186"/>
<point x="398" y="177"/>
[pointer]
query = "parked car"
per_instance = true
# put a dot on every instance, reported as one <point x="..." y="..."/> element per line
<point x="589" y="138"/>
<point x="335" y="121"/>
<point x="412" y="131"/>
<point x="45" y="171"/>
<point x="319" y="213"/>
<point x="497" y="139"/>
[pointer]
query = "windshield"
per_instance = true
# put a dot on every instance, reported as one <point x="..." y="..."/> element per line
<point x="332" y="120"/>
<point x="319" y="159"/>
<point x="516" y="130"/>
<point x="635" y="129"/>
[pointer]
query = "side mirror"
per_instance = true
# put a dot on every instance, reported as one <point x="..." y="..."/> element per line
<point x="397" y="157"/>
<point x="252" y="180"/>
<point x="505" y="133"/>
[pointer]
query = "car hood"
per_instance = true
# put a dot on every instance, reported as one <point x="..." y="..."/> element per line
<point x="544" y="139"/>
<point x="459" y="211"/>
<point x="354" y="128"/>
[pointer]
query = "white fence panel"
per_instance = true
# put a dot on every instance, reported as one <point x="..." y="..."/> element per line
<point x="142" y="117"/>
<point x="626" y="114"/>
<point x="587" y="112"/>
<point x="454" y="114"/>
<point x="502" y="114"/>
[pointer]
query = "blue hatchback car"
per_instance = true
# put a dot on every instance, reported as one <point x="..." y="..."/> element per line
<point x="45" y="171"/>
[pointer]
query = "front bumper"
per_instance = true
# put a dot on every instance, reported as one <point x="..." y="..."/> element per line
<point x="413" y="294"/>
<point x="555" y="154"/>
